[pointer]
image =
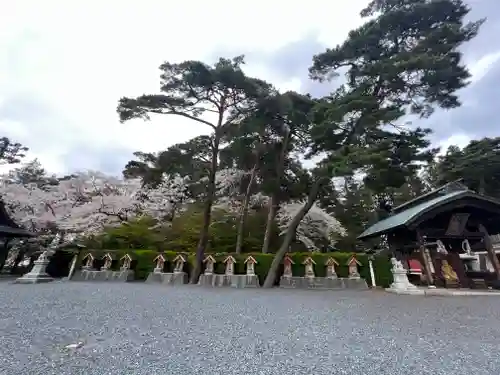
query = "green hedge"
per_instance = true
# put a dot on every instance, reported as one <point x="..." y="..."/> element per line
<point x="143" y="263"/>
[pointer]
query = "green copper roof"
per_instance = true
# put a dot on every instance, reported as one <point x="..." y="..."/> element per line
<point x="407" y="216"/>
<point x="447" y="188"/>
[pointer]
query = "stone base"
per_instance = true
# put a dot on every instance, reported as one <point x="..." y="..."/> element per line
<point x="8" y="276"/>
<point x="451" y="284"/>
<point x="245" y="281"/>
<point x="322" y="283"/>
<point x="167" y="278"/>
<point x="221" y="280"/>
<point x="30" y="278"/>
<point x="356" y="283"/>
<point x="107" y="275"/>
<point x="207" y="280"/>
<point x="36" y="275"/>
<point x="235" y="281"/>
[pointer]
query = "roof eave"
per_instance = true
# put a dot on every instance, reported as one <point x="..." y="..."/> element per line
<point x="364" y="237"/>
<point x="413" y="222"/>
<point x="406" y="204"/>
<point x="410" y="223"/>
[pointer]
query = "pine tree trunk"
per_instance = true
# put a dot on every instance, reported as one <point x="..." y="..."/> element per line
<point x="289" y="236"/>
<point x="207" y="215"/>
<point x="244" y="211"/>
<point x="269" y="224"/>
<point x="274" y="199"/>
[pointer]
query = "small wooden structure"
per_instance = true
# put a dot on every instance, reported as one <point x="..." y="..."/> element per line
<point x="229" y="262"/>
<point x="209" y="265"/>
<point x="126" y="262"/>
<point x="159" y="263"/>
<point x="352" y="265"/>
<point x="88" y="261"/>
<point x="179" y="262"/>
<point x="287" y="266"/>
<point x="108" y="261"/>
<point x="250" y="262"/>
<point x="331" y="263"/>
<point x="309" y="264"/>
<point x="433" y="227"/>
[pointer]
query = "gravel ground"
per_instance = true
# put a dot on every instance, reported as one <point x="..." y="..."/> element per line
<point x="147" y="329"/>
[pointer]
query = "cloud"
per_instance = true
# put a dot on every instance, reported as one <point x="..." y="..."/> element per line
<point x="64" y="65"/>
<point x="461" y="140"/>
<point x="476" y="117"/>
<point x="480" y="68"/>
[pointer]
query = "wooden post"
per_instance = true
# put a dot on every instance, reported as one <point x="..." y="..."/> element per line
<point x="425" y="260"/>
<point x="72" y="267"/>
<point x="489" y="248"/>
<point x="458" y="266"/>
<point x="372" y="273"/>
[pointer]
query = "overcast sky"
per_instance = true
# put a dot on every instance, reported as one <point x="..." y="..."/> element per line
<point x="64" y="65"/>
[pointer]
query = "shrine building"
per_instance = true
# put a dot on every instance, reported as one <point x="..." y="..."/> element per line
<point x="440" y="237"/>
<point x="8" y="228"/>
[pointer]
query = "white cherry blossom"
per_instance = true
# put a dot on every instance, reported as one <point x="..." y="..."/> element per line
<point x="316" y="225"/>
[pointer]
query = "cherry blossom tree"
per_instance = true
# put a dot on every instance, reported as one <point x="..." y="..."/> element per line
<point x="167" y="199"/>
<point x="100" y="200"/>
<point x="317" y="226"/>
<point x="229" y="184"/>
<point x="88" y="201"/>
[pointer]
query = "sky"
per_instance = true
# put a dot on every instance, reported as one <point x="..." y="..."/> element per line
<point x="65" y="64"/>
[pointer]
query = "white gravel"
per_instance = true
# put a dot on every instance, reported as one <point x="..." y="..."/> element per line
<point x="147" y="329"/>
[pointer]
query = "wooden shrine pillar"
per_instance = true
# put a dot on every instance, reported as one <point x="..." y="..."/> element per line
<point x="424" y="258"/>
<point x="489" y="248"/>
<point x="438" y="266"/>
<point x="458" y="266"/>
